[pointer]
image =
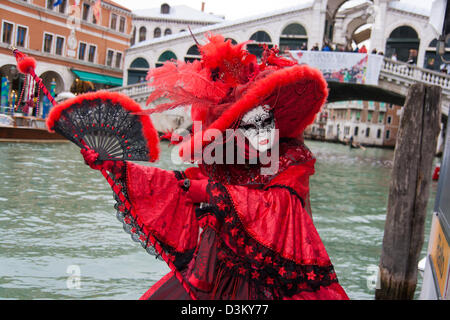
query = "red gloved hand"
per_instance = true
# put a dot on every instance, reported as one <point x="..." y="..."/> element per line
<point x="196" y="192"/>
<point x="90" y="158"/>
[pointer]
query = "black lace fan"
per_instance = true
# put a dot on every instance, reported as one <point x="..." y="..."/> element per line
<point x="107" y="123"/>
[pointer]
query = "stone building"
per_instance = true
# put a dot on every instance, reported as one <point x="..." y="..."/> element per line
<point x="152" y="24"/>
<point x="157" y="22"/>
<point x="369" y="123"/>
<point x="393" y="27"/>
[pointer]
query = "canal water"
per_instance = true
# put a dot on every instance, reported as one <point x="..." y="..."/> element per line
<point x="60" y="239"/>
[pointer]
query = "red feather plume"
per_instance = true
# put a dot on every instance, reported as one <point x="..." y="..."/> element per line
<point x="205" y="85"/>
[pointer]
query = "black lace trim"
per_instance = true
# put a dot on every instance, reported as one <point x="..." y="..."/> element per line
<point x="130" y="225"/>
<point x="273" y="276"/>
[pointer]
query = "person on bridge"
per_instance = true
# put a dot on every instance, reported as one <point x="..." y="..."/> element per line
<point x="238" y="225"/>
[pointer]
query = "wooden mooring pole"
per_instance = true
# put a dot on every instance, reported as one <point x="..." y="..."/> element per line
<point x="409" y="192"/>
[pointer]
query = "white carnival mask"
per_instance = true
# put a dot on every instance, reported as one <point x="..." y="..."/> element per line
<point x="258" y="126"/>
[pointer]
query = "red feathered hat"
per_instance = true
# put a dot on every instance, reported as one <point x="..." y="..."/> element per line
<point x="228" y="82"/>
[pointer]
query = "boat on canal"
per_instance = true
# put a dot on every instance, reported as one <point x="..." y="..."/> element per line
<point x="21" y="128"/>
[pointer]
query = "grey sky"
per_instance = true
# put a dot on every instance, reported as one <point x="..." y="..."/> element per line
<point x="235" y="9"/>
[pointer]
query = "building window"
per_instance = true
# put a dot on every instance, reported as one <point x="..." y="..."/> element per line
<point x="113" y="21"/>
<point x="157" y="33"/>
<point x="259" y="39"/>
<point x="368" y="132"/>
<point x="86" y="8"/>
<point x="369" y="117"/>
<point x="388" y="134"/>
<point x="381" y="117"/>
<point x="133" y="38"/>
<point x="142" y="34"/>
<point x="118" y="59"/>
<point x="82" y="51"/>
<point x="91" y="57"/>
<point x="7" y="32"/>
<point x="48" y="41"/>
<point x="346" y="130"/>
<point x="389" y="119"/>
<point x="109" y="58"/>
<point x="21" y="36"/>
<point x="122" y="24"/>
<point x="62" y="7"/>
<point x="50" y="4"/>
<point x="165" y="8"/>
<point x="356" y="131"/>
<point x="330" y="129"/>
<point x="379" y="134"/>
<point x="167" y="32"/>
<point x="59" y="46"/>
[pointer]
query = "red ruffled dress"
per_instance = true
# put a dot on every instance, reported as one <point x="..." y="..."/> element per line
<point x="254" y="239"/>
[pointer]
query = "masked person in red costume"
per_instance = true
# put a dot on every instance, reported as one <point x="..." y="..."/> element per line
<point x="238" y="225"/>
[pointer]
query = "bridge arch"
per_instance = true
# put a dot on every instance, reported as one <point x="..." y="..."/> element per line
<point x="341" y="91"/>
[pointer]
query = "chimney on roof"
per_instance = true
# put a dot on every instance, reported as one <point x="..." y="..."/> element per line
<point x="203" y="6"/>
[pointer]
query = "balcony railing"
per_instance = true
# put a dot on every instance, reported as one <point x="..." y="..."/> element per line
<point x="414" y="73"/>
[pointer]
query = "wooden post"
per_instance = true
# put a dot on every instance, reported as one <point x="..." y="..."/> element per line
<point x="409" y="192"/>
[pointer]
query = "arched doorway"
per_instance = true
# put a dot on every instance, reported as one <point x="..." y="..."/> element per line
<point x="403" y="42"/>
<point x="55" y="84"/>
<point x="12" y="82"/>
<point x="432" y="60"/>
<point x="192" y="54"/>
<point x="137" y="72"/>
<point x="259" y="39"/>
<point x="165" y="56"/>
<point x="293" y="37"/>
<point x="51" y="76"/>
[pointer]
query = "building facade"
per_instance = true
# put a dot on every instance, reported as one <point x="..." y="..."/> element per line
<point x="366" y="122"/>
<point x="395" y="28"/>
<point x="79" y="44"/>
<point x="157" y="22"/>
